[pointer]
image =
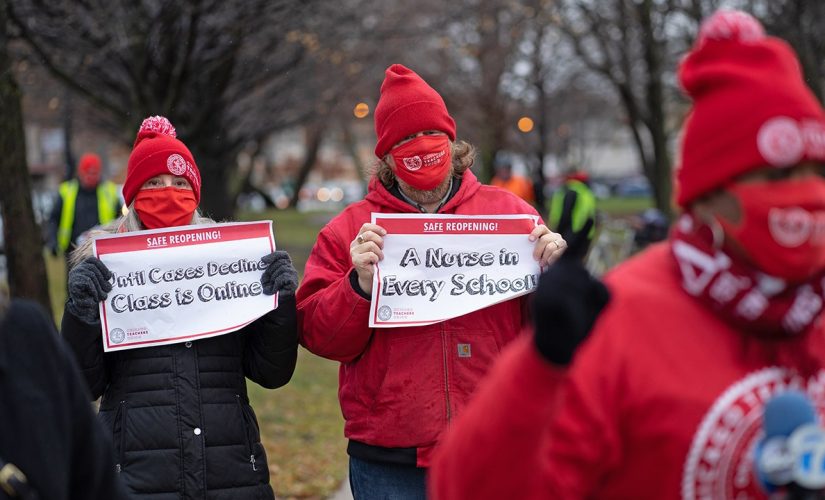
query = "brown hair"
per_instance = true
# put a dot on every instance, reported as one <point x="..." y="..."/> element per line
<point x="463" y="154"/>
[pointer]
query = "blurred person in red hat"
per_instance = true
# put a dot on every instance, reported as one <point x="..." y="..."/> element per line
<point x="179" y="414"/>
<point x="665" y="397"/>
<point x="399" y="390"/>
<point x="82" y="203"/>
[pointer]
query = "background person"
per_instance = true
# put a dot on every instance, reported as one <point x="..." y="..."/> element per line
<point x="179" y="414"/>
<point x="516" y="184"/>
<point x="51" y="447"/>
<point x="572" y="207"/>
<point x="82" y="203"/>
<point x="400" y="388"/>
<point x="665" y="399"/>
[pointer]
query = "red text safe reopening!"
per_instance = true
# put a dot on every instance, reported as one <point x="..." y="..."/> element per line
<point x="442" y="267"/>
<point x="183" y="283"/>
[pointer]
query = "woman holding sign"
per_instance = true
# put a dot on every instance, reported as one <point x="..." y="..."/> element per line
<point x="179" y="414"/>
<point x="400" y="388"/>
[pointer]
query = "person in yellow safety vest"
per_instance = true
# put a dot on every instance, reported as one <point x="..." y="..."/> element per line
<point x="83" y="203"/>
<point x="572" y="209"/>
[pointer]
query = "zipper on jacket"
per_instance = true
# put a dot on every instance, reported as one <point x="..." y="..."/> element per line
<point x="246" y="433"/>
<point x="121" y="416"/>
<point x="444" y="355"/>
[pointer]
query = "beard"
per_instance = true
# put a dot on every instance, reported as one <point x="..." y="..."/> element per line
<point x="426" y="197"/>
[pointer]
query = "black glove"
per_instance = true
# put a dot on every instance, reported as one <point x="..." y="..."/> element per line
<point x="279" y="275"/>
<point x="578" y="239"/>
<point x="88" y="286"/>
<point x="566" y="303"/>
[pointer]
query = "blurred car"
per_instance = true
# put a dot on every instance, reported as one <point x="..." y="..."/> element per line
<point x="634" y="187"/>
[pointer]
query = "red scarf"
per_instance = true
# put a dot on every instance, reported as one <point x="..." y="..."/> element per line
<point x="742" y="296"/>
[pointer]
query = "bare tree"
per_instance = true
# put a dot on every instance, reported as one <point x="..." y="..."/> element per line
<point x="631" y="45"/>
<point x="222" y="71"/>
<point x="23" y="244"/>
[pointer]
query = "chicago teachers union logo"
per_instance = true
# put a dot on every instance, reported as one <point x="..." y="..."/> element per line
<point x="720" y="461"/>
<point x="384" y="313"/>
<point x="117" y="335"/>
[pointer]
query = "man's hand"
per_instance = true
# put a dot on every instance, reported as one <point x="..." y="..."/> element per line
<point x="366" y="250"/>
<point x="549" y="245"/>
<point x="565" y="306"/>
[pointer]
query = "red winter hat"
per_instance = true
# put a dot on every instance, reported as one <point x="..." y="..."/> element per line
<point x="157" y="151"/>
<point x="88" y="161"/>
<point x="751" y="107"/>
<point x="407" y="106"/>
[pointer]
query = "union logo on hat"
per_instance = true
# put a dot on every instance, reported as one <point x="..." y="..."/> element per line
<point x="780" y="142"/>
<point x="176" y="164"/>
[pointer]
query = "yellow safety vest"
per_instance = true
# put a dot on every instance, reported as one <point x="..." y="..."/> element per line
<point x="107" y="201"/>
<point x="584" y="209"/>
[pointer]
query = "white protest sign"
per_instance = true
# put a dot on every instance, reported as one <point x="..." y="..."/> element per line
<point x="438" y="267"/>
<point x="183" y="283"/>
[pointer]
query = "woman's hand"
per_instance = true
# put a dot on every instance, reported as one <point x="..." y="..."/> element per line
<point x="280" y="275"/>
<point x="88" y="286"/>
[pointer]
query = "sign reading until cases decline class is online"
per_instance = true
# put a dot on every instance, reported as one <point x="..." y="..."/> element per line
<point x="183" y="283"/>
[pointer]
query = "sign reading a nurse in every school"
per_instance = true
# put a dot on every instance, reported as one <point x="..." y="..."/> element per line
<point x="184" y="283"/>
<point x="444" y="266"/>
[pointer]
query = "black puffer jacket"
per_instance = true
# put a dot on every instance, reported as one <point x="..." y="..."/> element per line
<point x="179" y="414"/>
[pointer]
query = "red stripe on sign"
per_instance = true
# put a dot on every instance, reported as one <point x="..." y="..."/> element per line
<point x="176" y="339"/>
<point x="437" y="225"/>
<point x="186" y="237"/>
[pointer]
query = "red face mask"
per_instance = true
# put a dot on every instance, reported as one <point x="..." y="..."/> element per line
<point x="424" y="161"/>
<point x="783" y="226"/>
<point x="165" y="207"/>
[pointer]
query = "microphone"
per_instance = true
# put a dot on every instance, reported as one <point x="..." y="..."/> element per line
<point x="790" y="458"/>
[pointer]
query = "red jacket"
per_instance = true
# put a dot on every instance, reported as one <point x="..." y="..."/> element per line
<point x="400" y="387"/>
<point x="663" y="401"/>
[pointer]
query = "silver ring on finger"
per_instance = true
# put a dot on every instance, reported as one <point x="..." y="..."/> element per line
<point x="556" y="242"/>
<point x="360" y="239"/>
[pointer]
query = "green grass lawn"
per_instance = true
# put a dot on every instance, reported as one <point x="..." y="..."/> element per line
<point x="622" y="207"/>
<point x="301" y="423"/>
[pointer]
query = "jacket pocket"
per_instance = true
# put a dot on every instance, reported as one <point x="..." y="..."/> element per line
<point x="249" y="432"/>
<point x="119" y="434"/>
<point x="470" y="356"/>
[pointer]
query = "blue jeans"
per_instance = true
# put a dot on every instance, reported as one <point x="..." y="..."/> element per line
<point x="385" y="481"/>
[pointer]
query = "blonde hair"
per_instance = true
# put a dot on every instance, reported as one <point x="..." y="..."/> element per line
<point x="124" y="224"/>
<point x="463" y="154"/>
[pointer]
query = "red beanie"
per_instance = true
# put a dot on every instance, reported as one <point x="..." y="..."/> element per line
<point x="87" y="161"/>
<point x="407" y="106"/>
<point x="157" y="151"/>
<point x="751" y="107"/>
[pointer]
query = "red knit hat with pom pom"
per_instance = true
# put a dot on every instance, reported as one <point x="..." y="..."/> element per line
<point x="751" y="107"/>
<point x="407" y="106"/>
<point x="158" y="151"/>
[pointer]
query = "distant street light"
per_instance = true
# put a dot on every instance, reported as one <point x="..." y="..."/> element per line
<point x="525" y="124"/>
<point x="361" y="110"/>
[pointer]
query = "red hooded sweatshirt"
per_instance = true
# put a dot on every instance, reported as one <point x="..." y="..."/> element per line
<point x="400" y="387"/>
<point x="664" y="400"/>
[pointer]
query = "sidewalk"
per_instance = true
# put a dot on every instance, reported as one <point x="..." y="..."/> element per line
<point x="343" y="493"/>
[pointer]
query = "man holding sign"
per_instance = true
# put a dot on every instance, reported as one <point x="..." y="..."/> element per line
<point x="186" y="312"/>
<point x="381" y="262"/>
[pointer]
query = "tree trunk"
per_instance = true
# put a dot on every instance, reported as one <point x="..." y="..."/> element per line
<point x="315" y="134"/>
<point x="23" y="244"/>
<point x="660" y="177"/>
